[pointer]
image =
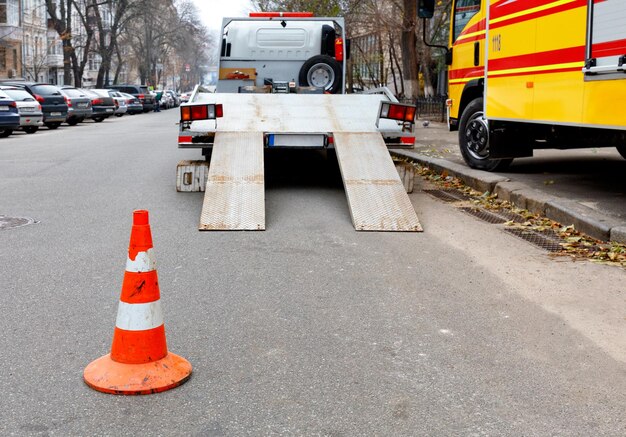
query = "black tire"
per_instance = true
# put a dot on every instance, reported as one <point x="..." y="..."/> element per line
<point x="321" y="71"/>
<point x="622" y="150"/>
<point x="474" y="139"/>
<point x="98" y="119"/>
<point x="72" y="121"/>
<point x="118" y="115"/>
<point x="31" y="129"/>
<point x="5" y="133"/>
<point x="52" y="125"/>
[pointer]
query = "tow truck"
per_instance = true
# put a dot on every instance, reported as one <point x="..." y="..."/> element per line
<point x="282" y="85"/>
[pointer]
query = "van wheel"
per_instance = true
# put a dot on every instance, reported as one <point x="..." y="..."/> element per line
<point x="622" y="150"/>
<point x="321" y="71"/>
<point x="474" y="139"/>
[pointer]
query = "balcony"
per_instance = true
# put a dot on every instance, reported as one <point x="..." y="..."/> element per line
<point x="10" y="33"/>
<point x="55" y="61"/>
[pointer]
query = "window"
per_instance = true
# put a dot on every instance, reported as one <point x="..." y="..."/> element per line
<point x="3" y="58"/>
<point x="464" y="10"/>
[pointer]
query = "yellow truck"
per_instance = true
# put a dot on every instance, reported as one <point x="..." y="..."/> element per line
<point x="535" y="74"/>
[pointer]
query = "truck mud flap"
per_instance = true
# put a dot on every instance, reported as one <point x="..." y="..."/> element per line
<point x="235" y="191"/>
<point x="376" y="197"/>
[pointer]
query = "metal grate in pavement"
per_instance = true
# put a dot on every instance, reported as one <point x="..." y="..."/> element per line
<point x="484" y="215"/>
<point x="510" y="216"/>
<point x="448" y="195"/>
<point x="537" y="238"/>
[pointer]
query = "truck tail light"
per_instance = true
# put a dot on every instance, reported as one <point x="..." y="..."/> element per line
<point x="397" y="111"/>
<point x="201" y="112"/>
<point x="339" y="49"/>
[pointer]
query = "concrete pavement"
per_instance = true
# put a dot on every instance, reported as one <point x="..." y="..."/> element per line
<point x="580" y="187"/>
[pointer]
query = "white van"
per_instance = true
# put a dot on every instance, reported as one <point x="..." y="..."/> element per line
<point x="279" y="52"/>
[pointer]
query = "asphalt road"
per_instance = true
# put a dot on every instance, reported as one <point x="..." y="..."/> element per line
<point x="307" y="328"/>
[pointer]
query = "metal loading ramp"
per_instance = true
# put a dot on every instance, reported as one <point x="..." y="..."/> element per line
<point x="235" y="191"/>
<point x="376" y="196"/>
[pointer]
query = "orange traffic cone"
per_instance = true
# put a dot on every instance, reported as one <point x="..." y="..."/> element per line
<point x="139" y="362"/>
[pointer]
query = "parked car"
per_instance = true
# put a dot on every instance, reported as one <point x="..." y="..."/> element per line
<point x="139" y="91"/>
<point x="118" y="100"/>
<point x="132" y="103"/>
<point x="9" y="116"/>
<point x="31" y="116"/>
<point x="52" y="101"/>
<point x="166" y="100"/>
<point x="184" y="97"/>
<point x="174" y="96"/>
<point x="102" y="106"/>
<point x="78" y="105"/>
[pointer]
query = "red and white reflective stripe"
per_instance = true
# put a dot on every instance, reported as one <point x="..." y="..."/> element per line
<point x="139" y="316"/>
<point x="143" y="262"/>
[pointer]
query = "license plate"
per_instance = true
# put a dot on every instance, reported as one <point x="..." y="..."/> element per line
<point x="27" y="109"/>
<point x="109" y="110"/>
<point x="55" y="114"/>
<point x="4" y="108"/>
<point x="82" y="105"/>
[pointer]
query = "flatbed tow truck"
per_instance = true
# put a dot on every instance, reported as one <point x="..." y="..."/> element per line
<point x="282" y="85"/>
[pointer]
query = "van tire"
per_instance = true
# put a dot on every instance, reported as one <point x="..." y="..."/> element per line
<point x="321" y="71"/>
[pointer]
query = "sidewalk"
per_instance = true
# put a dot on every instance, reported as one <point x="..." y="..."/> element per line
<point x="585" y="187"/>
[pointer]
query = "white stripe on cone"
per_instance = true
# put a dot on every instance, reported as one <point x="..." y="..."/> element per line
<point x="144" y="262"/>
<point x="139" y="316"/>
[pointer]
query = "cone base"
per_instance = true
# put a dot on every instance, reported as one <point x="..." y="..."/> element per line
<point x="109" y="376"/>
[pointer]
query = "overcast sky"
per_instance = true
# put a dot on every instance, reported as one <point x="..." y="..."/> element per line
<point x="212" y="11"/>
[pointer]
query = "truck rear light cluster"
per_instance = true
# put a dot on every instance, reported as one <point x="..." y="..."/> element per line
<point x="201" y="112"/>
<point x="397" y="111"/>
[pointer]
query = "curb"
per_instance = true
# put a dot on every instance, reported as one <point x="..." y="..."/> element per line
<point x="564" y="211"/>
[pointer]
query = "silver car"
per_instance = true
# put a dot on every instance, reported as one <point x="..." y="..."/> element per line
<point x="118" y="100"/>
<point x="31" y="116"/>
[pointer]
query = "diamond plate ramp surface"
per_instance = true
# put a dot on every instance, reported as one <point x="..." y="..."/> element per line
<point x="376" y="196"/>
<point x="235" y="191"/>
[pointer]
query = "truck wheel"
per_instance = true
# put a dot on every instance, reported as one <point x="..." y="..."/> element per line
<point x="5" y="132"/>
<point x="321" y="71"/>
<point x="622" y="150"/>
<point x="474" y="139"/>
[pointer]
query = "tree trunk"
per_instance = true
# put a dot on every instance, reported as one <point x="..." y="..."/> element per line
<point x="408" y="45"/>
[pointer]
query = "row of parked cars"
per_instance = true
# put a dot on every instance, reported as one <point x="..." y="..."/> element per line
<point x="30" y="105"/>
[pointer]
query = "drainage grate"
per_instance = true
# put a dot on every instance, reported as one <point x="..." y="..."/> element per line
<point x="448" y="195"/>
<point x="542" y="240"/>
<point x="510" y="216"/>
<point x="484" y="215"/>
<point x="15" y="222"/>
